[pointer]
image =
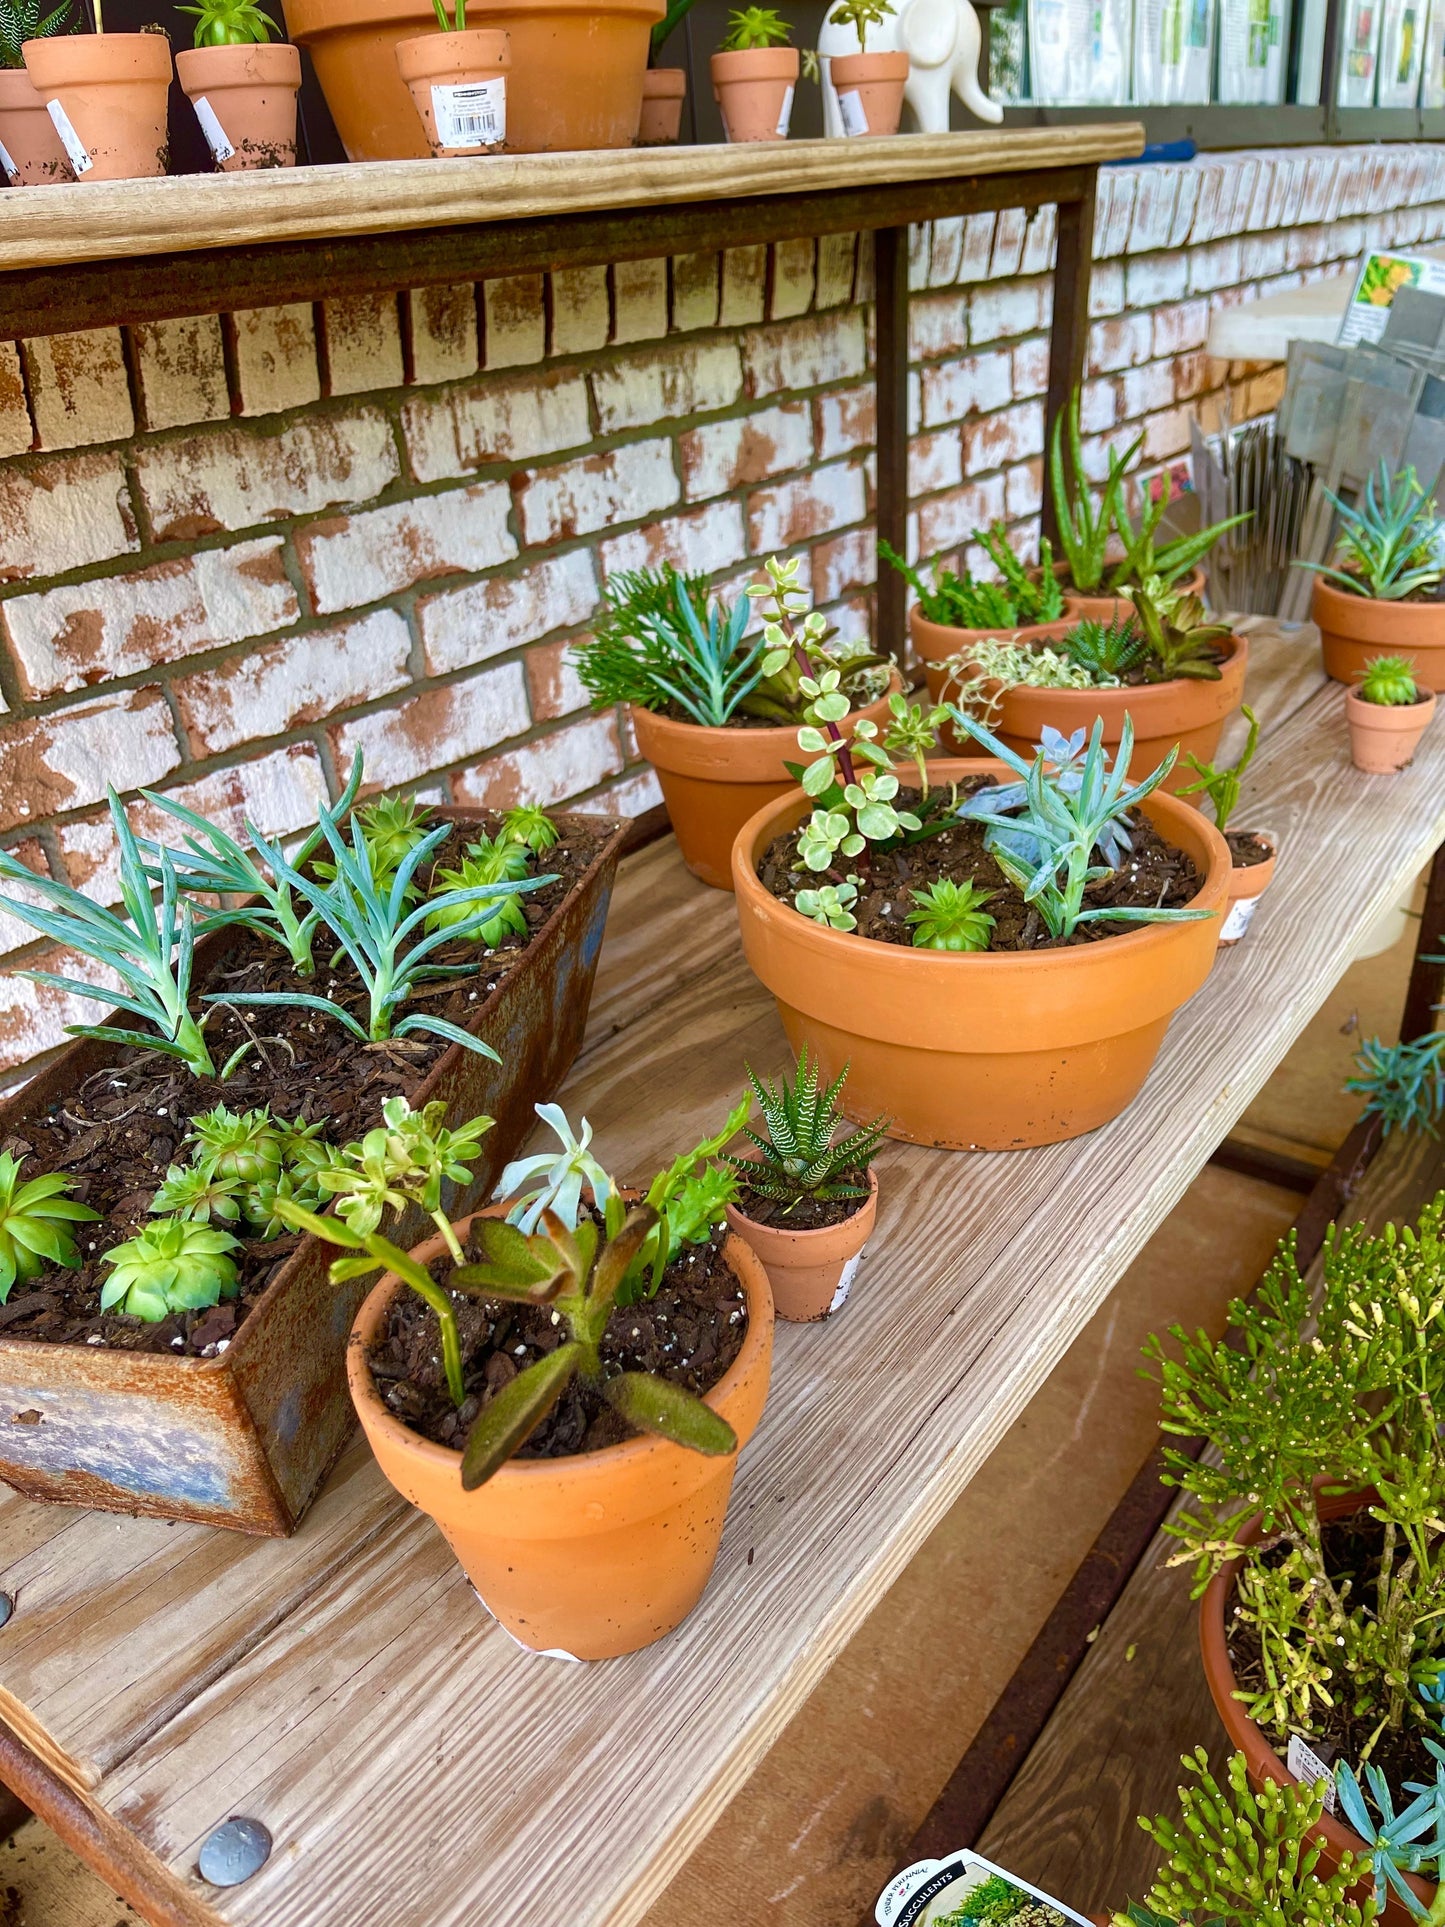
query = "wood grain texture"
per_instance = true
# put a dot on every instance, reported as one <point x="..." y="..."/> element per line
<point x="111" y="220"/>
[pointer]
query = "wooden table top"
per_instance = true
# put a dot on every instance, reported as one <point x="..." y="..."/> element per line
<point x="345" y="1687"/>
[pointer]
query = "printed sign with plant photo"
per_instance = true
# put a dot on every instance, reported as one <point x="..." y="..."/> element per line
<point x="965" y="1890"/>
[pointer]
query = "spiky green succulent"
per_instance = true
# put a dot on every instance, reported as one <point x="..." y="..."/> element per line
<point x="33" y="1217"/>
<point x="951" y="916"/>
<point x="240" y="1163"/>
<point x="801" y="1156"/>
<point x="170" y="1266"/>
<point x="1389" y="680"/>
<point x="246" y="1145"/>
<point x="1108" y="650"/>
<point x="392" y="827"/>
<point x="530" y="825"/>
<point x="485" y="862"/>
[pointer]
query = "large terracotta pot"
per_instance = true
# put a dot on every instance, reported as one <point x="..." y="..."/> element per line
<point x="245" y="100"/>
<point x="982" y="1052"/>
<point x="754" y="88"/>
<point x="811" y="1272"/>
<point x="663" y="91"/>
<point x="1385" y="736"/>
<point x="1247" y="884"/>
<point x="578" y="67"/>
<point x="937" y="644"/>
<point x="111" y="89"/>
<point x="435" y="65"/>
<point x="1107" y="608"/>
<point x="593" y="1555"/>
<point x="1354" y="629"/>
<point x="34" y="156"/>
<point x="870" y="91"/>
<point x="1263" y="1763"/>
<point x="713" y="780"/>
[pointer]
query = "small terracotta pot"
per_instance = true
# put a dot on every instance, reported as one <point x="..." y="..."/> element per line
<point x="1356" y="628"/>
<point x="663" y="91"/>
<point x="1385" y="736"/>
<point x="1261" y="1760"/>
<point x="111" y="90"/>
<point x="983" y="1052"/>
<point x="438" y="67"/>
<point x="1107" y="608"/>
<point x="1247" y="884"/>
<point x="593" y="1555"/>
<point x="34" y="156"/>
<point x="245" y="100"/>
<point x="713" y="780"/>
<point x="811" y="1272"/>
<point x="870" y="91"/>
<point x="754" y="88"/>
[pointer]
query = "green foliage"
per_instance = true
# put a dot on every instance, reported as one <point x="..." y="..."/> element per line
<point x="1084" y="525"/>
<point x="798" y="1157"/>
<point x="960" y="602"/>
<point x="1168" y="561"/>
<point x="485" y="862"/>
<point x="445" y="21"/>
<point x="1411" y="1840"/>
<point x="241" y="1163"/>
<point x="979" y="674"/>
<point x="1403" y="1084"/>
<point x="173" y="1265"/>
<point x="529" y="824"/>
<point x="148" y="945"/>
<point x="951" y="916"/>
<point x="233" y="23"/>
<point x="755" y="27"/>
<point x="1389" y="680"/>
<point x="405" y="1160"/>
<point x="912" y="731"/>
<point x="1036" y="596"/>
<point x="1109" y="651"/>
<point x="33" y="1217"/>
<point x="1221" y="783"/>
<point x="393" y="827"/>
<point x="22" y="20"/>
<point x="554" y="1180"/>
<point x="1392" y="544"/>
<point x="830" y="904"/>
<point x="861" y="15"/>
<point x="1181" y="640"/>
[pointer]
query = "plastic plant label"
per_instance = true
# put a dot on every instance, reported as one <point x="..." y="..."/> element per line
<point x="1307" y="1767"/>
<point x="72" y="143"/>
<point x="845" y="1283"/>
<point x="12" y="172"/>
<point x="963" y="1889"/>
<point x="1241" y="915"/>
<point x="471" y="115"/>
<point x="221" y="148"/>
<point x="850" y="106"/>
<point x="786" y="115"/>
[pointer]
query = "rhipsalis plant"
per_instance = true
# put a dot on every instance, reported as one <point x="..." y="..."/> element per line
<point x="1390" y="680"/>
<point x="799" y="1154"/>
<point x="1392" y="544"/>
<point x="959" y="602"/>
<point x="1168" y="561"/>
<point x="172" y="1265"/>
<point x="404" y="1161"/>
<point x="34" y="1224"/>
<point x="951" y="916"/>
<point x="1181" y="640"/>
<point x="1220" y="783"/>
<point x="1085" y="523"/>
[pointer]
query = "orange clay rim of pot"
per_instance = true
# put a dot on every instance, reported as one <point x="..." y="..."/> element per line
<point x="578" y="1466"/>
<point x="1372" y="619"/>
<point x="750" y="755"/>
<point x="937" y="642"/>
<point x="1395" y="719"/>
<point x="1253" y="879"/>
<point x="664" y="83"/>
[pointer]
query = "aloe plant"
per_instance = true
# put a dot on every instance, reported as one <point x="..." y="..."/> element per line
<point x="1168" y="561"/>
<point x="1084" y="524"/>
<point x="799" y="1154"/>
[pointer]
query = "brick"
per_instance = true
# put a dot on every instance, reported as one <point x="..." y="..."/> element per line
<point x="944" y="521"/>
<point x="15" y="933"/>
<point x="1024" y="488"/>
<point x="1191" y="375"/>
<point x="624" y="485"/>
<point x="816" y="504"/>
<point x="1106" y="288"/>
<point x="1117" y="188"/>
<point x="639" y="300"/>
<point x="453" y="724"/>
<point x="464" y="429"/>
<point x="1008" y="244"/>
<point x="977" y="249"/>
<point x="17" y="434"/>
<point x="744" y="286"/>
<point x="837" y="258"/>
<point x="1031" y="367"/>
<point x="89" y="632"/>
<point x="946" y="251"/>
<point x="954" y="390"/>
<point x="347" y="561"/>
<point x="659" y="384"/>
<point x="581" y="310"/>
<point x="998" y="441"/>
<point x="793" y="355"/>
<point x="462" y="627"/>
<point x="516" y="321"/>
<point x="935" y="462"/>
<point x="1190" y="180"/>
<point x="1181" y="327"/>
<point x="853" y="622"/>
<point x="1013" y="308"/>
<point x="65" y="760"/>
<point x="702" y="542"/>
<point x="849" y="561"/>
<point x="1098" y="406"/>
<point x="1155" y="199"/>
<point x="33" y="1017"/>
<point x="79" y="392"/>
<point x="1206" y="207"/>
<point x="1041" y="242"/>
<point x="1166" y="434"/>
<point x="863" y="280"/>
<point x="1262" y="254"/>
<point x="180" y="371"/>
<point x="721" y="456"/>
<point x="299" y="680"/>
<point x="695" y="290"/>
<point x="275" y="351"/>
<point x="550" y="769"/>
<point x="235" y="478"/>
<point x="63" y="514"/>
<point x="444" y="344"/>
<point x="793" y="278"/>
<point x="363" y="343"/>
<point x="845" y="421"/>
<point x="1152" y="278"/>
<point x="937" y="325"/>
<point x="1144" y="391"/>
<point x="919" y="245"/>
<point x="553" y="686"/>
<point x="632" y="794"/>
<point x="1122" y="342"/>
<point x="1216" y="266"/>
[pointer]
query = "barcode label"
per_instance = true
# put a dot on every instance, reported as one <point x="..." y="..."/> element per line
<point x="786" y="116"/>
<point x="474" y="115"/>
<point x="1307" y="1766"/>
<point x="69" y="139"/>
<point x="220" y="146"/>
<point x="850" y="106"/>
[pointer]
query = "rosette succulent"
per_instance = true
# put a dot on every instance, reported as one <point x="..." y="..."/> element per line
<point x="33" y="1220"/>
<point x="172" y="1265"/>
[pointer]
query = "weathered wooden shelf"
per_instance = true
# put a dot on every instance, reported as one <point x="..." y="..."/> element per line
<point x="346" y="1688"/>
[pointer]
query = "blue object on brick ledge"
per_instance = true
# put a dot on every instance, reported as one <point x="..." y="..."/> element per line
<point x="1184" y="150"/>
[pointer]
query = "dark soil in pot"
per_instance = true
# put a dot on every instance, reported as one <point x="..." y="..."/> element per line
<point x="809" y="1214"/>
<point x="1247" y="849"/>
<point x="124" y="1126"/>
<point x="690" y="1333"/>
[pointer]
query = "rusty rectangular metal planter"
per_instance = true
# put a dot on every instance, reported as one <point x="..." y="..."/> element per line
<point x="244" y="1440"/>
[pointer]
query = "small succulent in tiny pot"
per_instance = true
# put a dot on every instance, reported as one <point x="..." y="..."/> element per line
<point x="868" y="87"/>
<point x="754" y="76"/>
<point x="458" y="80"/>
<point x="1253" y="851"/>
<point x="1388" y="714"/>
<point x="30" y="149"/>
<point x="242" y="84"/>
<point x="106" y="94"/>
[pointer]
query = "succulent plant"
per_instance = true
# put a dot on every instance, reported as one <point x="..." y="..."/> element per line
<point x="169" y="1266"/>
<point x="801" y="1155"/>
<point x="961" y="602"/>
<point x="33" y="1220"/>
<point x="1392" y="544"/>
<point x="240" y="1163"/>
<point x="755" y="27"/>
<point x="554" y="1181"/>
<point x="484" y="862"/>
<point x="1167" y="561"/>
<point x="231" y="23"/>
<point x="245" y="1145"/>
<point x="1389" y="680"/>
<point x="860" y="15"/>
<point x="1107" y="650"/>
<point x="22" y="20"/>
<point x="951" y="916"/>
<point x="405" y="1160"/>
<point x="1221" y="784"/>
<point x="1084" y="526"/>
<point x="830" y="904"/>
<point x="529" y="824"/>
<point x="1180" y="639"/>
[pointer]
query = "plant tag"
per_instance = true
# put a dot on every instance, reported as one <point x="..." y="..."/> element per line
<point x="845" y="1283"/>
<point x="72" y="143"/>
<point x="1307" y="1767"/>
<point x="785" y="117"/>
<point x="850" y="106"/>
<point x="473" y="115"/>
<point x="11" y="170"/>
<point x="221" y="148"/>
<point x="966" y="1888"/>
<point x="1241" y="915"/>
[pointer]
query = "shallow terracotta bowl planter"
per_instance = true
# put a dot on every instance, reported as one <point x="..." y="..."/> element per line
<point x="987" y="1052"/>
<point x="27" y="133"/>
<point x="1385" y="736"/>
<point x="811" y="1272"/>
<point x="248" y="96"/>
<point x="1355" y="628"/>
<point x="112" y="89"/>
<point x="593" y="1555"/>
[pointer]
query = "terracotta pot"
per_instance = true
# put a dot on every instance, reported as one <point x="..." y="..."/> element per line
<point x="1105" y="608"/>
<point x="754" y="89"/>
<point x="593" y="1555"/>
<point x="1185" y="712"/>
<point x="33" y="155"/>
<point x="937" y="644"/>
<point x="1263" y="1763"/>
<point x="111" y="92"/>
<point x="458" y="82"/>
<point x="811" y="1272"/>
<point x="1385" y="736"/>
<point x="1247" y="884"/>
<point x="663" y="91"/>
<point x="713" y="780"/>
<point x="579" y="66"/>
<point x="870" y="91"/>
<point x="245" y="100"/>
<point x="982" y="1052"/>
<point x="1356" y="628"/>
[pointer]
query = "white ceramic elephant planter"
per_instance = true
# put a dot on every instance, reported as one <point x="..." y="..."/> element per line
<point x="941" y="39"/>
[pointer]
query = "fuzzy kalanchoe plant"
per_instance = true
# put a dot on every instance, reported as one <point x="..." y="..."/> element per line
<point x="951" y="916"/>
<point x="750" y="27"/>
<point x="22" y="20"/>
<point x="800" y="1156"/>
<point x="1220" y="783"/>
<point x="960" y="602"/>
<point x="1392" y="545"/>
<point x="34" y="1217"/>
<point x="173" y="1265"/>
<point x="231" y="23"/>
<point x="1389" y="680"/>
<point x="404" y="1161"/>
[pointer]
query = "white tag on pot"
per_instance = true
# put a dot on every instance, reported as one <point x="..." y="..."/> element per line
<point x="221" y="148"/>
<point x="11" y="170"/>
<point x="1241" y="914"/>
<point x="785" y="117"/>
<point x="474" y="115"/>
<point x="1307" y="1767"/>
<point x="845" y="1283"/>
<point x="850" y="106"/>
<point x="72" y="143"/>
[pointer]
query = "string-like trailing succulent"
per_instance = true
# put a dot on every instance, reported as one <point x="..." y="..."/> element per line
<point x="798" y="1153"/>
<point x="1220" y="783"/>
<point x="405" y="1160"/>
<point x="1389" y="680"/>
<point x="485" y="862"/>
<point x="951" y="916"/>
<point x="961" y="602"/>
<point x="241" y="1163"/>
<point x="978" y="676"/>
<point x="1392" y="543"/>
<point x="34" y="1217"/>
<point x="1109" y="651"/>
<point x="172" y="1265"/>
